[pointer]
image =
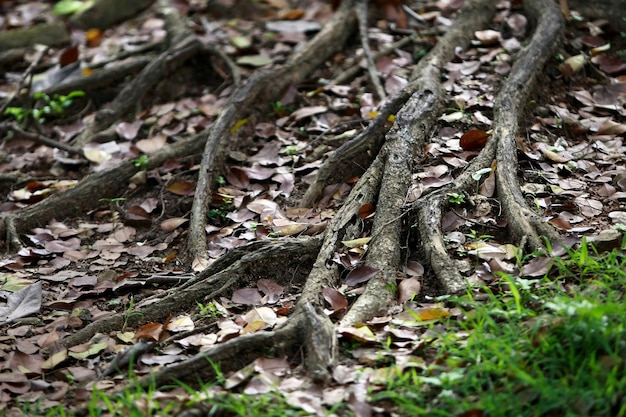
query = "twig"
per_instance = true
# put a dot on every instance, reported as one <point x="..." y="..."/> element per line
<point x="355" y="68"/>
<point x="29" y="71"/>
<point x="361" y="12"/>
<point x="46" y="141"/>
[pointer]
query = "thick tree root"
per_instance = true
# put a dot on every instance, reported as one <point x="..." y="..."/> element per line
<point x="239" y="268"/>
<point x="349" y="159"/>
<point x="108" y="183"/>
<point x="407" y="138"/>
<point x="524" y="225"/>
<point x="259" y="91"/>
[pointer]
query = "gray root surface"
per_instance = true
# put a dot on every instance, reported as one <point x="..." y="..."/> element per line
<point x="389" y="158"/>
<point x="524" y="225"/>
<point x="260" y="90"/>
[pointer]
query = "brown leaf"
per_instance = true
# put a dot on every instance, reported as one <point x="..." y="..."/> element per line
<point x="68" y="56"/>
<point x="360" y="274"/>
<point x="338" y="302"/>
<point x="173" y="223"/>
<point x="152" y="331"/>
<point x="366" y="211"/>
<point x="474" y="140"/>
<point x="407" y="289"/>
<point x="182" y="188"/>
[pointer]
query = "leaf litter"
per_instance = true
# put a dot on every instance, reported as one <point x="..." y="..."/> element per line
<point x="78" y="270"/>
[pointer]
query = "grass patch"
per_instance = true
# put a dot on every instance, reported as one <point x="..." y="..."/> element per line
<point x="549" y="347"/>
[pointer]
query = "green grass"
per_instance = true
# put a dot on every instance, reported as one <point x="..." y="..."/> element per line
<point x="549" y="347"/>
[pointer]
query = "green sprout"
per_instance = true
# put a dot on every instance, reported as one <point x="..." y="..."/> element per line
<point x="141" y="162"/>
<point x="51" y="106"/>
<point x="455" y="198"/>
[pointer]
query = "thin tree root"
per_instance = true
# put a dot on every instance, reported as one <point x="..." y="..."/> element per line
<point x="361" y="12"/>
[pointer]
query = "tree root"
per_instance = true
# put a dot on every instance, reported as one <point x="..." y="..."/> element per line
<point x="384" y="184"/>
<point x="239" y="268"/>
<point x="261" y="89"/>
<point x="347" y="161"/>
<point x="108" y="183"/>
<point x="367" y="51"/>
<point x="524" y="225"/>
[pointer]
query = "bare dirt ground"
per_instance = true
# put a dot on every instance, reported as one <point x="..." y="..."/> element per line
<point x="275" y="180"/>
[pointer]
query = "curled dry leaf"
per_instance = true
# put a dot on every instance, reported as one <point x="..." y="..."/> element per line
<point x="572" y="65"/>
<point x="338" y="302"/>
<point x="173" y="223"/>
<point x="356" y="243"/>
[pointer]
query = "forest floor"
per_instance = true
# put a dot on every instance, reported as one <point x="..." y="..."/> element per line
<point x="200" y="216"/>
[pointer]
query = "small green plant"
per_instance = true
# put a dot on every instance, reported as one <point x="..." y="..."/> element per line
<point x="473" y="234"/>
<point x="112" y="202"/>
<point x="141" y="162"/>
<point x="220" y="180"/>
<point x="291" y="150"/>
<point x="45" y="106"/>
<point x="129" y="312"/>
<point x="209" y="310"/>
<point x="455" y="198"/>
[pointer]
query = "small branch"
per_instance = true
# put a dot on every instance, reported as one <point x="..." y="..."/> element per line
<point x="46" y="141"/>
<point x="355" y="67"/>
<point x="29" y="71"/>
<point x="361" y="12"/>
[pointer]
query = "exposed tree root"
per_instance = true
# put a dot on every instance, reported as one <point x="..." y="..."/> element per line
<point x="367" y="51"/>
<point x="389" y="158"/>
<point x="261" y="89"/>
<point x="524" y="225"/>
<point x="239" y="268"/>
<point x="83" y="197"/>
<point x="354" y="156"/>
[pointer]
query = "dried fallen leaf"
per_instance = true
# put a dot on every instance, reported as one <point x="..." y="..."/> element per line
<point x="338" y="302"/>
<point x="173" y="223"/>
<point x="407" y="289"/>
<point x="185" y="188"/>
<point x="22" y="303"/>
<point x="152" y="331"/>
<point x="474" y="140"/>
<point x="356" y="243"/>
<point x="366" y="211"/>
<point x="360" y="274"/>
<point x="93" y="37"/>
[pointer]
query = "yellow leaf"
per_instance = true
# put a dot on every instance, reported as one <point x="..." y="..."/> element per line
<point x="54" y="360"/>
<point x="356" y="243"/>
<point x="432" y="314"/>
<point x="239" y="125"/>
